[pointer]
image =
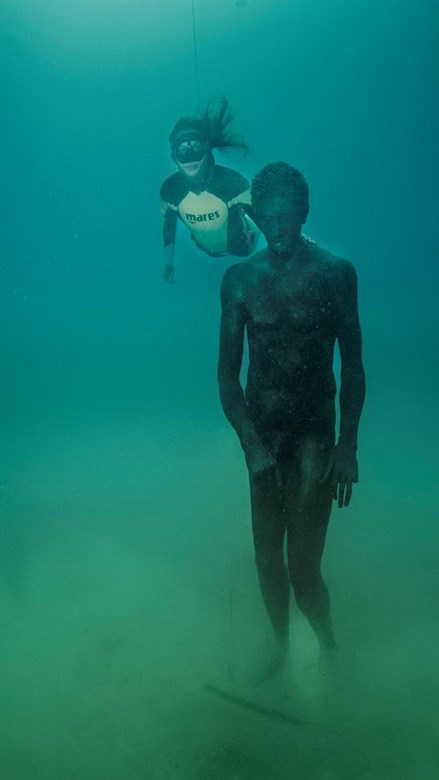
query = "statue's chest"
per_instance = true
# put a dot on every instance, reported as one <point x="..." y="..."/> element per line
<point x="300" y="303"/>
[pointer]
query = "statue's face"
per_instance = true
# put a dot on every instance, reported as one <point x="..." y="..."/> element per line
<point x="280" y="220"/>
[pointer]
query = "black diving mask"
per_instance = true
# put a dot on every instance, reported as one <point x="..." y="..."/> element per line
<point x="189" y="150"/>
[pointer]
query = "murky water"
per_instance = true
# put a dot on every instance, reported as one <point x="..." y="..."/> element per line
<point x="126" y="566"/>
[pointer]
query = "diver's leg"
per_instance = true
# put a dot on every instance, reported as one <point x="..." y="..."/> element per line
<point x="252" y="234"/>
<point x="309" y="508"/>
<point x="268" y="524"/>
<point x="242" y="233"/>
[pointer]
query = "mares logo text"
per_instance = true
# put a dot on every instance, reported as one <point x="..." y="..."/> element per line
<point x="203" y="217"/>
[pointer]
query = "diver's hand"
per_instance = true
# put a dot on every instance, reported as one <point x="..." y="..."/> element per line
<point x="169" y="273"/>
<point x="258" y="459"/>
<point x="342" y="472"/>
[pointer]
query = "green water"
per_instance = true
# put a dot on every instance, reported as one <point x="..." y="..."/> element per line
<point x="126" y="564"/>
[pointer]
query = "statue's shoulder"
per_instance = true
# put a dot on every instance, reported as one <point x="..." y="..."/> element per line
<point x="240" y="277"/>
<point x="332" y="265"/>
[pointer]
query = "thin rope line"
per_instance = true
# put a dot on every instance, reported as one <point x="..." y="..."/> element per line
<point x="197" y="78"/>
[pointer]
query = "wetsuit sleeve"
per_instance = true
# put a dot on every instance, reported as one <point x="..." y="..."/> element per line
<point x="169" y="214"/>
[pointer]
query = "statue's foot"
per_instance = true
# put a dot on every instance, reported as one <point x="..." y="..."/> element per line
<point x="271" y="668"/>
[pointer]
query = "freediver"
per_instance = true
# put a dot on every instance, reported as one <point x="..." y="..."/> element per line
<point x="294" y="300"/>
<point x="209" y="199"/>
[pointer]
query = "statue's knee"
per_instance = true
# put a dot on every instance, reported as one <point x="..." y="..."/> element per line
<point x="267" y="559"/>
<point x="304" y="579"/>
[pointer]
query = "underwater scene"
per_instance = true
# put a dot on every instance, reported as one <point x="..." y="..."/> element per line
<point x="161" y="620"/>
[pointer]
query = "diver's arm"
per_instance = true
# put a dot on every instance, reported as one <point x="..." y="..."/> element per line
<point x="169" y="267"/>
<point x="229" y="367"/>
<point x="169" y="237"/>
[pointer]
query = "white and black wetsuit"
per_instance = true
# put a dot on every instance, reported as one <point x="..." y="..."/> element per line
<point x="212" y="210"/>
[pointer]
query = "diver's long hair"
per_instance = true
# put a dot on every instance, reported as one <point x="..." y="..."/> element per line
<point x="214" y="126"/>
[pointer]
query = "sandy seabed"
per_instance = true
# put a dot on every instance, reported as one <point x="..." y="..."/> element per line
<point x="128" y="582"/>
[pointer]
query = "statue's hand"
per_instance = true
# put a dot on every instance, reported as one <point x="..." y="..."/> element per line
<point x="342" y="473"/>
<point x="258" y="459"/>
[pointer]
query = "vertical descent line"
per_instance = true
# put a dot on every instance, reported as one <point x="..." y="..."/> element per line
<point x="197" y="78"/>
